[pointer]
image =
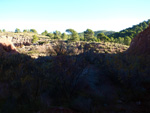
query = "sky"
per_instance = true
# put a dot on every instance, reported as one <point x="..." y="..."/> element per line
<point x="51" y="15"/>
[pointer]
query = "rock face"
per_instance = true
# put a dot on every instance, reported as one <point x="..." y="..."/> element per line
<point x="140" y="45"/>
<point x="7" y="47"/>
<point x="19" y="40"/>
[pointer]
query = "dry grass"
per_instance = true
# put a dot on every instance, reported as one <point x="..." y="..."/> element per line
<point x="71" y="48"/>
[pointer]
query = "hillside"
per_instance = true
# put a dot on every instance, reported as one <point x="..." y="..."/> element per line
<point x="100" y="31"/>
<point x="79" y="56"/>
<point x="77" y="77"/>
<point x="74" y="76"/>
<point x="140" y="45"/>
<point x="132" y="31"/>
<point x="104" y="31"/>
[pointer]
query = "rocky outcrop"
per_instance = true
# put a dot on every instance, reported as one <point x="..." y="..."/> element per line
<point x="22" y="40"/>
<point x="140" y="45"/>
<point x="7" y="47"/>
<point x="19" y="40"/>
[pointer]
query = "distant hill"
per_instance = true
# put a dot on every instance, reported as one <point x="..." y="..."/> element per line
<point x="104" y="31"/>
<point x="131" y="31"/>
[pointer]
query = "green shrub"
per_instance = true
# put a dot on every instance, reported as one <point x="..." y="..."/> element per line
<point x="35" y="39"/>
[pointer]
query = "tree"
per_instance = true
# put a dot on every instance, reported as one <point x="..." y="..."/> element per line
<point x="45" y="32"/>
<point x="112" y="39"/>
<point x="103" y="37"/>
<point x="88" y="35"/>
<point x="51" y="35"/>
<point x="74" y="34"/>
<point x="33" y="31"/>
<point x="145" y="25"/>
<point x="25" y="31"/>
<point x="81" y="36"/>
<point x="0" y="30"/>
<point x="64" y="36"/>
<point x="57" y="34"/>
<point x="35" y="39"/>
<point x="17" y="30"/>
<point x="121" y="40"/>
<point x="127" y="40"/>
<point x="132" y="31"/>
<point x="4" y="30"/>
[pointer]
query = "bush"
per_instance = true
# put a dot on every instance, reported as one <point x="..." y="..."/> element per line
<point x="35" y="39"/>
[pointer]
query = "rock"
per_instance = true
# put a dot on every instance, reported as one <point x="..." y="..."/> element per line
<point x="7" y="47"/>
<point x="140" y="45"/>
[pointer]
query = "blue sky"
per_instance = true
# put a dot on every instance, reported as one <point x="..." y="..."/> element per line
<point x="60" y="15"/>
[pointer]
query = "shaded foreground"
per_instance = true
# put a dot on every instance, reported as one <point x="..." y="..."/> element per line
<point x="85" y="83"/>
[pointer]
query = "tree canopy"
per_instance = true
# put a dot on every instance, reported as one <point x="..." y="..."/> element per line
<point x="64" y="36"/>
<point x="132" y="31"/>
<point x="88" y="35"/>
<point x="33" y="31"/>
<point x="103" y="37"/>
<point x="51" y="35"/>
<point x="74" y="34"/>
<point x="4" y="30"/>
<point x="17" y="30"/>
<point x="25" y="31"/>
<point x="45" y="32"/>
<point x="57" y="34"/>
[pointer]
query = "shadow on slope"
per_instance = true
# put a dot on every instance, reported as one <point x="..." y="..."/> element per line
<point x="89" y="83"/>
